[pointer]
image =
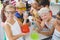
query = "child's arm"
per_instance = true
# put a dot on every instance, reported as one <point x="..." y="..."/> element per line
<point x="31" y="11"/>
<point x="38" y="20"/>
<point x="38" y="25"/>
<point x="42" y="24"/>
<point x="9" y="33"/>
<point x="20" y="23"/>
<point x="49" y="33"/>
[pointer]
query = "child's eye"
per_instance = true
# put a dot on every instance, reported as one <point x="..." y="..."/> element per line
<point x="44" y="15"/>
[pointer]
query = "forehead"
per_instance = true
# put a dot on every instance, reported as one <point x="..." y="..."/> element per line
<point x="10" y="9"/>
<point x="43" y="14"/>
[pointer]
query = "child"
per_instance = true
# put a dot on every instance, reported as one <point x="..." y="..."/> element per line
<point x="34" y="10"/>
<point x="46" y="25"/>
<point x="56" y="35"/>
<point x="20" y="8"/>
<point x="11" y="26"/>
<point x="46" y="3"/>
<point x="34" y="6"/>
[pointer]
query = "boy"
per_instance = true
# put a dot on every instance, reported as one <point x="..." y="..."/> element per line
<point x="20" y="8"/>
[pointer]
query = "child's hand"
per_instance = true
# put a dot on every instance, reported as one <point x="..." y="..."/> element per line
<point x="25" y="17"/>
<point x="42" y="23"/>
<point x="35" y="13"/>
<point x="23" y="34"/>
<point x="38" y="30"/>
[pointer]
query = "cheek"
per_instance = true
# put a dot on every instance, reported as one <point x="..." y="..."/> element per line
<point x="42" y="18"/>
<point x="45" y="17"/>
<point x="11" y="15"/>
<point x="21" y="11"/>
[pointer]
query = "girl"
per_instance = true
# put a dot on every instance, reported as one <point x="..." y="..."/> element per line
<point x="46" y="26"/>
<point x="20" y="8"/>
<point x="12" y="28"/>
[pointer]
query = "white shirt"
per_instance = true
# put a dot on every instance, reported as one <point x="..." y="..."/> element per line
<point x="15" y="28"/>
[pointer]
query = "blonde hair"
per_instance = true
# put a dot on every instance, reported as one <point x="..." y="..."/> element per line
<point x="9" y="6"/>
<point x="20" y="5"/>
<point x="43" y="10"/>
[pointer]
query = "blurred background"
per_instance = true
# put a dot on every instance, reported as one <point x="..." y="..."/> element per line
<point x="54" y="6"/>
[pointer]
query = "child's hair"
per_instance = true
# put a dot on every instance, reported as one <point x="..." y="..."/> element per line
<point x="43" y="10"/>
<point x="9" y="6"/>
<point x="45" y="2"/>
<point x="58" y="13"/>
<point x="20" y="5"/>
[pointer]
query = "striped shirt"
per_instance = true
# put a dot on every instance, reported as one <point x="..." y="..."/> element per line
<point x="13" y="2"/>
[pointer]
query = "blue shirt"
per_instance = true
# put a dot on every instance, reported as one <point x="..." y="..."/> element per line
<point x="19" y="16"/>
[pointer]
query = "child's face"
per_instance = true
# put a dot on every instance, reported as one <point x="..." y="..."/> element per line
<point x="45" y="16"/>
<point x="35" y="5"/>
<point x="21" y="10"/>
<point x="10" y="13"/>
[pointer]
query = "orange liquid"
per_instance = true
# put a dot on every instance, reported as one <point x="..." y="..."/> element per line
<point x="25" y="28"/>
